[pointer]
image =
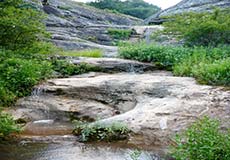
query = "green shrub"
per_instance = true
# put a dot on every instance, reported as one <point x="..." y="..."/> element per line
<point x="203" y="140"/>
<point x="208" y="65"/>
<point x="7" y="125"/>
<point x="21" y="24"/>
<point x="216" y="73"/>
<point x="120" y="34"/>
<point x="7" y="97"/>
<point x="19" y="75"/>
<point x="66" y="68"/>
<point x="101" y="131"/>
<point x="164" y="56"/>
<point x="207" y="29"/>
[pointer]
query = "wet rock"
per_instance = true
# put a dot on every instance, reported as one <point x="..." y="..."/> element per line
<point x="154" y="105"/>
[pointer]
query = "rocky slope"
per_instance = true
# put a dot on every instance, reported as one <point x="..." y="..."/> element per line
<point x="75" y="25"/>
<point x="187" y="6"/>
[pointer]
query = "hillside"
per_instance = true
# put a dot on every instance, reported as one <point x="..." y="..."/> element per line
<point x="75" y="25"/>
<point x="187" y="6"/>
<point x="136" y="8"/>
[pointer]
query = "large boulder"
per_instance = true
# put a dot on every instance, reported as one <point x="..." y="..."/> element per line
<point x="187" y="6"/>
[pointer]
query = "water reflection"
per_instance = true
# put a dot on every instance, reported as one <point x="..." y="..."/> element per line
<point x="68" y="151"/>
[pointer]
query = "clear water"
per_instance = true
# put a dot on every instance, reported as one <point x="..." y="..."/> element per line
<point x="69" y="151"/>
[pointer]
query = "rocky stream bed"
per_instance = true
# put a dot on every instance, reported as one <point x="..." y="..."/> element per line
<point x="154" y="104"/>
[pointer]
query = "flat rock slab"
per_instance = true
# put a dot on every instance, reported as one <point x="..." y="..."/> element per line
<point x="117" y="65"/>
<point x="153" y="105"/>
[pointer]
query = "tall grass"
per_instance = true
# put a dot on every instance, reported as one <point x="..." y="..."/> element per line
<point x="95" y="53"/>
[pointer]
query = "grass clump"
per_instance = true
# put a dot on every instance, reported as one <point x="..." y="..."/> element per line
<point x="120" y="34"/>
<point x="101" y="131"/>
<point x="203" y="140"/>
<point x="95" y="53"/>
<point x="208" y="65"/>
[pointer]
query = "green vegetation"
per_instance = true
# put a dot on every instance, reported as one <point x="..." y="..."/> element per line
<point x="203" y="140"/>
<point x="208" y="65"/>
<point x="135" y="155"/>
<point x="206" y="29"/>
<point x="95" y="53"/>
<point x="101" y="131"/>
<point x="24" y="60"/>
<point x="7" y="125"/>
<point x="135" y="8"/>
<point x="120" y="34"/>
<point x="66" y="69"/>
<point x="21" y="25"/>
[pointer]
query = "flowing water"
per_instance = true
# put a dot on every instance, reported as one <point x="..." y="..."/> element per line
<point x="71" y="151"/>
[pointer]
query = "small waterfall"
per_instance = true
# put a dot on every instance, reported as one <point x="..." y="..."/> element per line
<point x="148" y="33"/>
<point x="132" y="69"/>
<point x="36" y="94"/>
<point x="37" y="91"/>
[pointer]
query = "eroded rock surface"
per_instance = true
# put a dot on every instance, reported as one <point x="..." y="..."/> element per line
<point x="116" y="64"/>
<point x="75" y="25"/>
<point x="154" y="105"/>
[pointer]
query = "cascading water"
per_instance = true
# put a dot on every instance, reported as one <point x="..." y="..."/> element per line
<point x="38" y="91"/>
<point x="148" y="32"/>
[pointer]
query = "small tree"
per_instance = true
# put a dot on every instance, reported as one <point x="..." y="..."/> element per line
<point x="21" y="24"/>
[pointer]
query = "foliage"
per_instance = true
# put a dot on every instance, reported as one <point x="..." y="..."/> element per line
<point x="135" y="154"/>
<point x="67" y="68"/>
<point x="18" y="76"/>
<point x="95" y="53"/>
<point x="101" y="131"/>
<point x="207" y="29"/>
<point x="164" y="56"/>
<point x="7" y="125"/>
<point x="203" y="140"/>
<point x="208" y="65"/>
<point x="120" y="34"/>
<point x="21" y="24"/>
<point x="135" y="8"/>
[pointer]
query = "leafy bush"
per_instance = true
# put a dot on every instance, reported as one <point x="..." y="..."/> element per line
<point x="67" y="69"/>
<point x="120" y="34"/>
<point x="203" y="140"/>
<point x="19" y="76"/>
<point x="207" y="29"/>
<point x="21" y="24"/>
<point x="7" y="125"/>
<point x="164" y="56"/>
<point x="137" y="8"/>
<point x="216" y="73"/>
<point x="101" y="131"/>
<point x="208" y="65"/>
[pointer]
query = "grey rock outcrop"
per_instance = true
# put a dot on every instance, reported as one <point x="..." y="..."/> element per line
<point x="154" y="105"/>
<point x="188" y="6"/>
<point x="75" y="25"/>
